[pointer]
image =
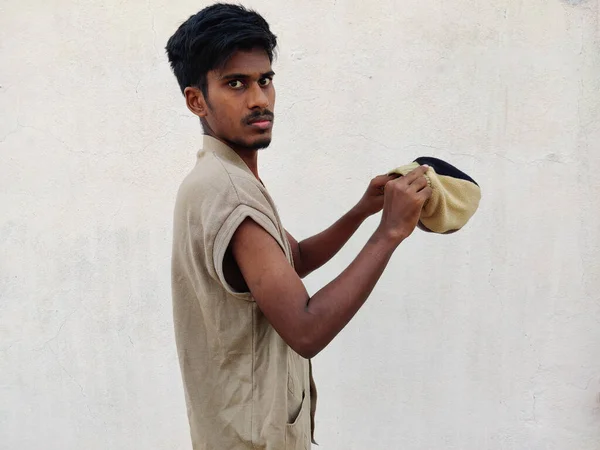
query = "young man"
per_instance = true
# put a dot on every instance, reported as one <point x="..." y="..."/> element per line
<point x="246" y="327"/>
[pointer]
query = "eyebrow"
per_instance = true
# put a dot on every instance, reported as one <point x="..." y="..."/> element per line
<point x="241" y="76"/>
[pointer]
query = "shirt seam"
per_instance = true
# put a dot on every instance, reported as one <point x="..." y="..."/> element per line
<point x="237" y="194"/>
<point x="253" y="387"/>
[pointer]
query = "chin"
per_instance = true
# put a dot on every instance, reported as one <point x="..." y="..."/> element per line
<point x="262" y="143"/>
<point x="254" y="143"/>
<point x="259" y="142"/>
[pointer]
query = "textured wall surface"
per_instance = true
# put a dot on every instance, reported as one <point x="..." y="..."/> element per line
<point x="488" y="339"/>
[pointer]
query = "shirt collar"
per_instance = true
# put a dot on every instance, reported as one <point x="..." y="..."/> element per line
<point x="213" y="145"/>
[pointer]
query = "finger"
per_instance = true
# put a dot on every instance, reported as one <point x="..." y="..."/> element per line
<point x="416" y="173"/>
<point x="419" y="184"/>
<point x="425" y="193"/>
<point x="381" y="180"/>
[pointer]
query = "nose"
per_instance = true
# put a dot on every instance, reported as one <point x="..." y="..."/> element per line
<point x="257" y="97"/>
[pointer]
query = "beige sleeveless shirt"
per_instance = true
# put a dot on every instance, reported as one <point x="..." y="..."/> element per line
<point x="245" y="388"/>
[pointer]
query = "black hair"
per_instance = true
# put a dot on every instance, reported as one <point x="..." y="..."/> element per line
<point x="209" y="38"/>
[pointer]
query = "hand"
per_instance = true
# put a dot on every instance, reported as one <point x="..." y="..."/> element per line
<point x="372" y="200"/>
<point x="403" y="201"/>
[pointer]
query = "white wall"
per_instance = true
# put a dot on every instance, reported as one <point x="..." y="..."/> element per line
<point x="486" y="339"/>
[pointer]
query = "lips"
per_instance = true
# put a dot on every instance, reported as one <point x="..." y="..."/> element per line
<point x="260" y="119"/>
<point x="262" y="122"/>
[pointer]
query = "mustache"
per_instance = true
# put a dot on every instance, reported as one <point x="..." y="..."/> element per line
<point x="259" y="115"/>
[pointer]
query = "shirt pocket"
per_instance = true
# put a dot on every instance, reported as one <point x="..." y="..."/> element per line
<point x="296" y="437"/>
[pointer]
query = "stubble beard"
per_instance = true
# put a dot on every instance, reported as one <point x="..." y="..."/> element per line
<point x="259" y="144"/>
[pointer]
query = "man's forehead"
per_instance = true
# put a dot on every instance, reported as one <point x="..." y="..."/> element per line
<point x="251" y="63"/>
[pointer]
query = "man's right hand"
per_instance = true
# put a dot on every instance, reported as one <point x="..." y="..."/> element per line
<point x="402" y="205"/>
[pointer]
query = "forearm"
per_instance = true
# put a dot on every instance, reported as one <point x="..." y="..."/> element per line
<point x="307" y="324"/>
<point x="331" y="308"/>
<point x="320" y="248"/>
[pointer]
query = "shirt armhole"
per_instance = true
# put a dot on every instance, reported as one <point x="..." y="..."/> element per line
<point x="225" y="233"/>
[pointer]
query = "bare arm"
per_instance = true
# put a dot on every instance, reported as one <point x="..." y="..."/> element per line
<point x="306" y="324"/>
<point x="312" y="253"/>
<point x="309" y="324"/>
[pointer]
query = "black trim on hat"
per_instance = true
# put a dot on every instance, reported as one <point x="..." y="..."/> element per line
<point x="443" y="168"/>
<point x="422" y="227"/>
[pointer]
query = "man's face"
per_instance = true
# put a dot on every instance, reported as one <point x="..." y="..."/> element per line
<point x="241" y="100"/>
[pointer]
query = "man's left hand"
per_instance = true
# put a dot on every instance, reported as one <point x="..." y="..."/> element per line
<point x="372" y="200"/>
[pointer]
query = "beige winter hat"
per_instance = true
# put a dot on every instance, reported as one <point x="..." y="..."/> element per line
<point x="455" y="196"/>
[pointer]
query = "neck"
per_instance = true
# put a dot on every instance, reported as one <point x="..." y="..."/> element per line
<point x="248" y="155"/>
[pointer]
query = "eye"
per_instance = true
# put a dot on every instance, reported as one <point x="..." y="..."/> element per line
<point x="264" y="82"/>
<point x="236" y="84"/>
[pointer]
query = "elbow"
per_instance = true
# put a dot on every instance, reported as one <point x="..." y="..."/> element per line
<point x="302" y="270"/>
<point x="307" y="348"/>
<point x="305" y="338"/>
<point x="307" y="353"/>
<point x="311" y="353"/>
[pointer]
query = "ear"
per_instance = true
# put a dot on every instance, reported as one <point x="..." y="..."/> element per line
<point x="195" y="101"/>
